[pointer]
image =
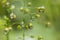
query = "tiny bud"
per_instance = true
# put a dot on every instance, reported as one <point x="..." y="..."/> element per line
<point x="6" y="18"/>
<point x="26" y="26"/>
<point x="12" y="16"/>
<point x="38" y="8"/>
<point x="27" y="10"/>
<point x="23" y="25"/>
<point x="48" y="23"/>
<point x="29" y="3"/>
<point x="37" y="15"/>
<point x="21" y="8"/>
<point x="12" y="7"/>
<point x="22" y="22"/>
<point x="19" y="27"/>
<point x="7" y="3"/>
<point x="40" y="37"/>
<point x="30" y="24"/>
<point x="6" y="29"/>
<point x="10" y="28"/>
<point x="42" y="7"/>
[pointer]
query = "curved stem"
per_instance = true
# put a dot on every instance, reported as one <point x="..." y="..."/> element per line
<point x="7" y="36"/>
<point x="23" y="35"/>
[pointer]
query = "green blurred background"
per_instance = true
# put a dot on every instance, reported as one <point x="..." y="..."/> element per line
<point x="51" y="14"/>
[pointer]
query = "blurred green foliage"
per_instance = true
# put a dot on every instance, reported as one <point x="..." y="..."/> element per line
<point x="25" y="13"/>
